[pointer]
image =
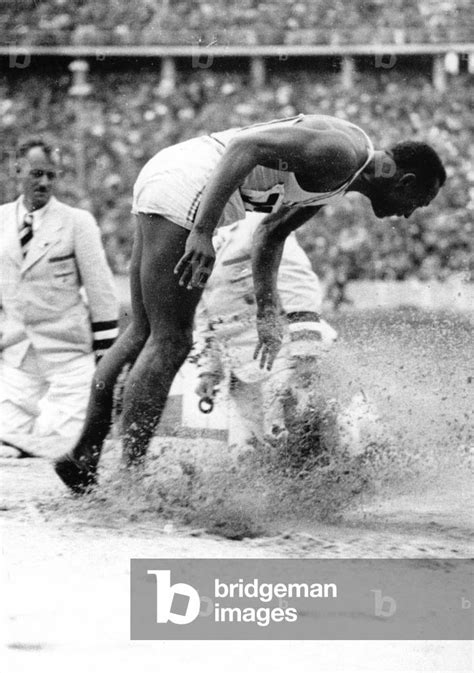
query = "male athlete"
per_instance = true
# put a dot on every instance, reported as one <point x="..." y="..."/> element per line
<point x="287" y="168"/>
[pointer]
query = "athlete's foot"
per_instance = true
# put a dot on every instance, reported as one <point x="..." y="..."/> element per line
<point x="79" y="476"/>
<point x="134" y="458"/>
<point x="134" y="464"/>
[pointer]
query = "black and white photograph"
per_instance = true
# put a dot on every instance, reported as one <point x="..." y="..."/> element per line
<point x="236" y="336"/>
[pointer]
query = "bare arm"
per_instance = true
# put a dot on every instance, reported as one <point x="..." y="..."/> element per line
<point x="268" y="243"/>
<point x="297" y="149"/>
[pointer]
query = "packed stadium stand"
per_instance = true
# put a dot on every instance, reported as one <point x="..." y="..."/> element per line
<point x="131" y="111"/>
<point x="247" y="22"/>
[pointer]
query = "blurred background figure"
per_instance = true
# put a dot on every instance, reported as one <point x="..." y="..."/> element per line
<point x="51" y="335"/>
<point x="226" y="337"/>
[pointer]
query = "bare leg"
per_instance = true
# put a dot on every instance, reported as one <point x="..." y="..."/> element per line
<point x="77" y="468"/>
<point x="170" y="310"/>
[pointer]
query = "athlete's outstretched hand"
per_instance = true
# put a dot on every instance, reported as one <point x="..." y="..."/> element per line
<point x="270" y="337"/>
<point x="195" y="266"/>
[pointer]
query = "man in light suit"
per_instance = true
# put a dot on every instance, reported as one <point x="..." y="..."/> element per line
<point x="226" y="336"/>
<point x="50" y="256"/>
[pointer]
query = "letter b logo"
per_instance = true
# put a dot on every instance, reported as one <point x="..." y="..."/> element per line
<point x="384" y="606"/>
<point x="178" y="603"/>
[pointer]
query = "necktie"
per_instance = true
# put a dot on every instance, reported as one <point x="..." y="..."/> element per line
<point x="26" y="233"/>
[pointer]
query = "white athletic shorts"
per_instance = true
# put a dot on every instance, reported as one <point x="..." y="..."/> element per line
<point x="171" y="183"/>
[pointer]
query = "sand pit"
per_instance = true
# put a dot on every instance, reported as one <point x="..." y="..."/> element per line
<point x="66" y="560"/>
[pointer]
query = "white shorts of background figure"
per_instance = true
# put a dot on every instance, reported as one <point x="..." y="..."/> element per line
<point x="226" y="335"/>
<point x="258" y="408"/>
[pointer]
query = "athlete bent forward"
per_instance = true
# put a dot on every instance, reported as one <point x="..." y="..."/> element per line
<point x="288" y="169"/>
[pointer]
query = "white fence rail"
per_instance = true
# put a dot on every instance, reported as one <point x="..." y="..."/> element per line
<point x="455" y="294"/>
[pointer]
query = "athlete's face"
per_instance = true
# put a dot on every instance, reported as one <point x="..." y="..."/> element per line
<point x="401" y="197"/>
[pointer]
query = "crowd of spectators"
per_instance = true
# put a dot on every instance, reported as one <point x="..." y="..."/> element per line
<point x="130" y="115"/>
<point x="234" y="22"/>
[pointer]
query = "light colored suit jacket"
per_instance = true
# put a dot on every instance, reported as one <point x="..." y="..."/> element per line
<point x="225" y="326"/>
<point x="41" y="298"/>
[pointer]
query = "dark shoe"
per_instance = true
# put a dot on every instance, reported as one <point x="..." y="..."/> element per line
<point x="77" y="476"/>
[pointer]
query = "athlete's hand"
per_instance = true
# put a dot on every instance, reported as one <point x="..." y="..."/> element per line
<point x="195" y="266"/>
<point x="270" y="337"/>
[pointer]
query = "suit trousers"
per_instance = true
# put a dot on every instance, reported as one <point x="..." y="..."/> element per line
<point x="46" y="398"/>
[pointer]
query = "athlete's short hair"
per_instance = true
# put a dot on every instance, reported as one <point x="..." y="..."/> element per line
<point x="422" y="160"/>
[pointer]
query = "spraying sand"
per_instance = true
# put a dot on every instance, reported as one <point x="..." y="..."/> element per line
<point x="412" y="497"/>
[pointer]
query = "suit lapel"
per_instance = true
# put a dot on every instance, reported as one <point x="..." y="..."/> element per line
<point x="46" y="235"/>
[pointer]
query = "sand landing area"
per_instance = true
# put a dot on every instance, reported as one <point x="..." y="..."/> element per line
<point x="35" y="505"/>
<point x="66" y="566"/>
<point x="66" y="560"/>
